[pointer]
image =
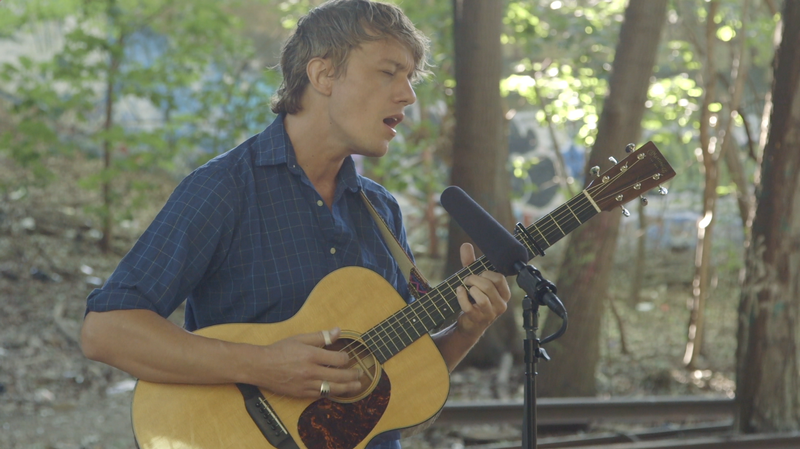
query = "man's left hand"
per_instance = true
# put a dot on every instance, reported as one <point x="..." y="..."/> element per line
<point x="490" y="292"/>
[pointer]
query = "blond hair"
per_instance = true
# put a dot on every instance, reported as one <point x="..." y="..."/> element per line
<point x="331" y="31"/>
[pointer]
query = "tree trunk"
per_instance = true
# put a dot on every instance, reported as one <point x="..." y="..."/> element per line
<point x="763" y="130"/>
<point x="701" y="283"/>
<point x="584" y="275"/>
<point x="706" y="225"/>
<point x="479" y="156"/>
<point x="768" y="355"/>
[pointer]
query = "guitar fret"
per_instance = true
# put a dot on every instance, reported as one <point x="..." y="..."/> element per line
<point x="384" y="342"/>
<point x="430" y="311"/>
<point x="406" y="327"/>
<point x="435" y="307"/>
<point x="384" y="345"/>
<point x="540" y="233"/>
<point x="565" y="218"/>
<point x="425" y="324"/>
<point x="553" y="219"/>
<point x="397" y="327"/>
<point x="413" y="325"/>
<point x="425" y="309"/>
<point x="387" y="332"/>
<point x="573" y="213"/>
<point x="376" y="349"/>
<point x="400" y="330"/>
<point x="446" y="307"/>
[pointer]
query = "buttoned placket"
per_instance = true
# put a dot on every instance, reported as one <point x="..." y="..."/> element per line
<point x="333" y="230"/>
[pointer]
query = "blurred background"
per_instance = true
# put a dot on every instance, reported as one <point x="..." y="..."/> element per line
<point x="106" y="104"/>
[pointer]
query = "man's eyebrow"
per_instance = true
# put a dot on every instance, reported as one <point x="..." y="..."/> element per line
<point x="397" y="64"/>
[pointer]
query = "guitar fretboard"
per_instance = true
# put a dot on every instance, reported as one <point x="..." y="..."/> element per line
<point x="440" y="304"/>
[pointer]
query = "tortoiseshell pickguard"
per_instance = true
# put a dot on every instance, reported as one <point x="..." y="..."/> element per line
<point x="326" y="424"/>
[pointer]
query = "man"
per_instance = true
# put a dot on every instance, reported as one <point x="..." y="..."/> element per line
<point x="247" y="236"/>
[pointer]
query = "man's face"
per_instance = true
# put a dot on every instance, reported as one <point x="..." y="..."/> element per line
<point x="368" y="98"/>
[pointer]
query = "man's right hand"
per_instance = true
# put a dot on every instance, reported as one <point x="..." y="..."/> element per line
<point x="298" y="365"/>
<point x="152" y="348"/>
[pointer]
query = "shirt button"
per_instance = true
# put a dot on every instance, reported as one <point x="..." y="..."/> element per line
<point x="320" y="203"/>
<point x="333" y="250"/>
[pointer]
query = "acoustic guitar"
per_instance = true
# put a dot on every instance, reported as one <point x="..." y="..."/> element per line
<point x="405" y="381"/>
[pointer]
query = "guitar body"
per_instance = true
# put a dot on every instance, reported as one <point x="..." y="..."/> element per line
<point x="411" y="388"/>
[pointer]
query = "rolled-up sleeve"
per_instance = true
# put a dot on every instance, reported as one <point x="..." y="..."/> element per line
<point x="189" y="237"/>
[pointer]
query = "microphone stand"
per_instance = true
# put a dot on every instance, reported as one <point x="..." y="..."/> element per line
<point x="543" y="293"/>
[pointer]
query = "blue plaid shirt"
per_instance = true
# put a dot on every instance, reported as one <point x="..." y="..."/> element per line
<point x="246" y="237"/>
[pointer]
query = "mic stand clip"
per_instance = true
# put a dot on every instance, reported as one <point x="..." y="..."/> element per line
<point x="543" y="293"/>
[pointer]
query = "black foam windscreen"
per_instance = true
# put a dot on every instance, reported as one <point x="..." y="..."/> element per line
<point x="499" y="246"/>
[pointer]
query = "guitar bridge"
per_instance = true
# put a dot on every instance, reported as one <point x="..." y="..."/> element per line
<point x="265" y="418"/>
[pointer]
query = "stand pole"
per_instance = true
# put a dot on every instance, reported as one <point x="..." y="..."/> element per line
<point x="530" y="311"/>
<point x="539" y="292"/>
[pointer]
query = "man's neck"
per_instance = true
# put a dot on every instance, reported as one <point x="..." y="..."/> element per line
<point x="320" y="162"/>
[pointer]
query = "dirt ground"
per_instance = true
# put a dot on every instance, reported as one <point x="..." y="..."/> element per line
<point x="52" y="397"/>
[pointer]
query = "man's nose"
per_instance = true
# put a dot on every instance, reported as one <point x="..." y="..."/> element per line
<point x="406" y="93"/>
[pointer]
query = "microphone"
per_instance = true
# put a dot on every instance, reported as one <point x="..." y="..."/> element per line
<point x="505" y="252"/>
<point x="499" y="246"/>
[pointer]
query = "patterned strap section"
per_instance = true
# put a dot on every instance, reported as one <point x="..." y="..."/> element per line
<point x="417" y="283"/>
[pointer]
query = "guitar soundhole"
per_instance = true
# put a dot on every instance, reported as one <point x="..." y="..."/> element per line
<point x="360" y="358"/>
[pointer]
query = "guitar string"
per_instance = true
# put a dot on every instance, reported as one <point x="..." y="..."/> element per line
<point x="582" y="205"/>
<point x="444" y="300"/>
<point x="564" y="210"/>
<point x="385" y="328"/>
<point x="392" y="322"/>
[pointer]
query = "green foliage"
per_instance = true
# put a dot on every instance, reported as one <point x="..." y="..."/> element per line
<point x="562" y="56"/>
<point x="188" y="83"/>
<point x="143" y="83"/>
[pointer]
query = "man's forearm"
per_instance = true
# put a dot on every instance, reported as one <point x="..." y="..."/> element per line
<point x="154" y="349"/>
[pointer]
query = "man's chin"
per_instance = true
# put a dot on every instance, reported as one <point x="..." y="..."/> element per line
<point x="379" y="151"/>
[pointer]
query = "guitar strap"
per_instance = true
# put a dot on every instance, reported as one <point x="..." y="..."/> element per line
<point x="417" y="283"/>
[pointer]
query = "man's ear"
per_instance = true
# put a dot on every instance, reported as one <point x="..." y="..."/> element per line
<point x="320" y="75"/>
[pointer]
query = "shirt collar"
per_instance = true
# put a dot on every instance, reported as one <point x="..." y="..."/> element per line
<point x="273" y="147"/>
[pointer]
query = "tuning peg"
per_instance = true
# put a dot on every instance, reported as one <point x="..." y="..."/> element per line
<point x="629" y="148"/>
<point x="644" y="200"/>
<point x="662" y="190"/>
<point x="613" y="159"/>
<point x="625" y="212"/>
<point x="595" y="171"/>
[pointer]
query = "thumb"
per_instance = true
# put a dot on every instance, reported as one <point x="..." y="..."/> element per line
<point x="467" y="253"/>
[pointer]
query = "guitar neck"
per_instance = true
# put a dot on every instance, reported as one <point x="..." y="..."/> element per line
<point x="440" y="304"/>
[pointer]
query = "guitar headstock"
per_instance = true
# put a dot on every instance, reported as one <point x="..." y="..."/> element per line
<point x="640" y="171"/>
